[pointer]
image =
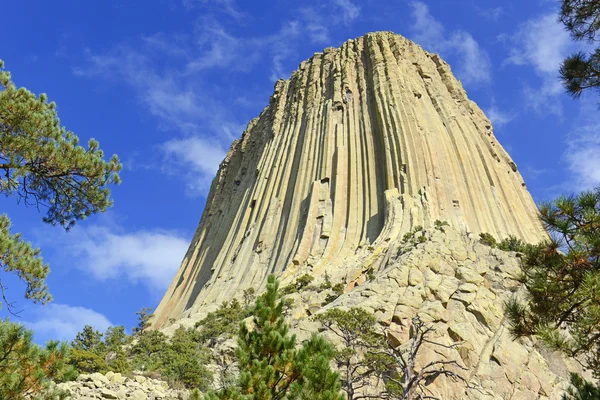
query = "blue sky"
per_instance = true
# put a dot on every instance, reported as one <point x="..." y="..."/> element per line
<point x="167" y="85"/>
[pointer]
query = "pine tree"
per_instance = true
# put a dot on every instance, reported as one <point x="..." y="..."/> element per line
<point x="562" y="278"/>
<point x="25" y="368"/>
<point x="271" y="367"/>
<point x="42" y="164"/>
<point x="359" y="358"/>
<point x="581" y="71"/>
<point x="144" y="316"/>
<point x="581" y="390"/>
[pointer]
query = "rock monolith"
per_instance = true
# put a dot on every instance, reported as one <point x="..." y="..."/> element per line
<point x="361" y="145"/>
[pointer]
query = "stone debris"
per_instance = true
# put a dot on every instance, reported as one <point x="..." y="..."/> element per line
<point x="115" y="386"/>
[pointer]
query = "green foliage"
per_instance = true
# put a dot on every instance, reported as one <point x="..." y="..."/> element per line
<point x="184" y="360"/>
<point x="180" y="359"/>
<point x="581" y="390"/>
<point x="326" y="282"/>
<point x="19" y="257"/>
<point x="338" y="290"/>
<point x="225" y="320"/>
<point x="440" y="224"/>
<point x="147" y="351"/>
<point x="562" y="277"/>
<point x="89" y="350"/>
<point x="144" y="316"/>
<point x="115" y="338"/>
<point x="271" y="367"/>
<point x="195" y="395"/>
<point x="88" y="339"/>
<point x="581" y="71"/>
<point x="43" y="165"/>
<point x="487" y="239"/>
<point x="413" y="235"/>
<point x="512" y="243"/>
<point x="27" y="369"/>
<point x="371" y="275"/>
<point x="362" y="345"/>
<point x="86" y="361"/>
<point x="300" y="283"/>
<point x="249" y="295"/>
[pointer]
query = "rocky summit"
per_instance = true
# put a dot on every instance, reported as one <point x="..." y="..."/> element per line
<point x="371" y="167"/>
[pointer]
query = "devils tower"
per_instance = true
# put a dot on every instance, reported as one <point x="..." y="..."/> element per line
<point x="359" y="146"/>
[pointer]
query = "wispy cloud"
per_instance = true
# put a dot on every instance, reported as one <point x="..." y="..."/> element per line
<point x="147" y="257"/>
<point x="541" y="43"/>
<point x="198" y="156"/>
<point x="474" y="66"/>
<point x="350" y="11"/>
<point x="499" y="117"/>
<point x="227" y="7"/>
<point x="178" y="97"/>
<point x="62" y="321"/>
<point x="493" y="13"/>
<point x="582" y="154"/>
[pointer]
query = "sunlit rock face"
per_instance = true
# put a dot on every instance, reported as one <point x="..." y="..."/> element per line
<point x="362" y="144"/>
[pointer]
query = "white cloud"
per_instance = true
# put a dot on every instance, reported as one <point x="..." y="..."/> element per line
<point x="350" y="11"/>
<point x="178" y="97"/>
<point x="582" y="154"/>
<point x="541" y="43"/>
<point x="62" y="322"/>
<point x="499" y="117"/>
<point x="493" y="13"/>
<point x="148" y="257"/>
<point x="474" y="64"/>
<point x="203" y="156"/>
<point x="226" y="6"/>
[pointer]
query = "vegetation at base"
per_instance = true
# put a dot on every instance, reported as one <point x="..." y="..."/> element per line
<point x="93" y="351"/>
<point x="337" y="290"/>
<point x="43" y="165"/>
<point x="581" y="389"/>
<point x="580" y="71"/>
<point x="26" y="369"/>
<point x="179" y="360"/>
<point x="225" y="320"/>
<point x="511" y="243"/>
<point x="365" y="353"/>
<point x="359" y="357"/>
<point x="271" y="367"/>
<point x="301" y="283"/>
<point x="488" y="239"/>
<point x="562" y="277"/>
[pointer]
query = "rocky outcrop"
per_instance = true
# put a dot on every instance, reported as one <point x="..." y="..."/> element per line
<point x="459" y="287"/>
<point x="362" y="144"/>
<point x="112" y="386"/>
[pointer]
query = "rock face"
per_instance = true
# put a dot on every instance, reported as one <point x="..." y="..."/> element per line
<point x="359" y="146"/>
<point x="458" y="286"/>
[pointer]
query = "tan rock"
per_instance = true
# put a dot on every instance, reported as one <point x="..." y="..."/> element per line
<point x="345" y="155"/>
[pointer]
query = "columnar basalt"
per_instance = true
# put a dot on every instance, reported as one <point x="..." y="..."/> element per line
<point x="362" y="144"/>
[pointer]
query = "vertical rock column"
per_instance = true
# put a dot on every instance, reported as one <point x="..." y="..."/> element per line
<point x="360" y="145"/>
